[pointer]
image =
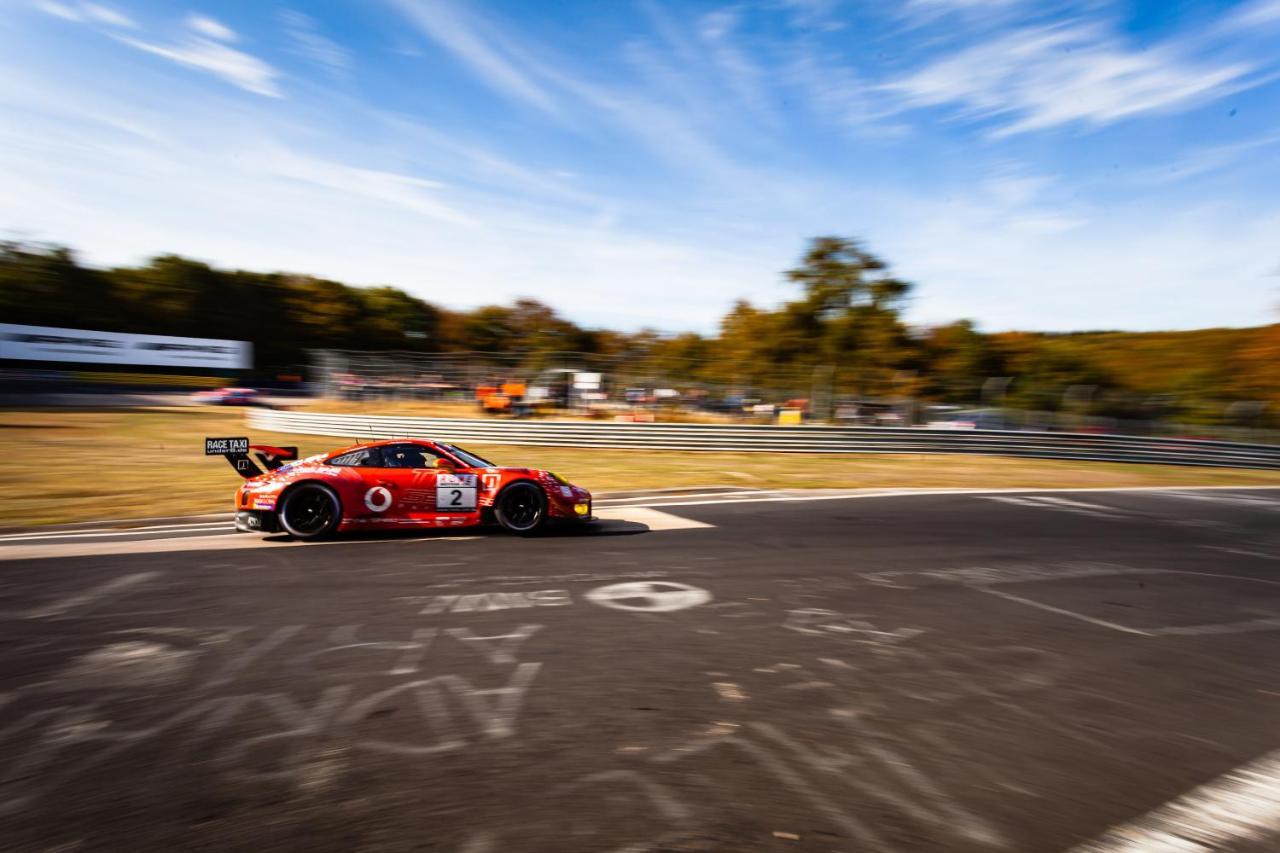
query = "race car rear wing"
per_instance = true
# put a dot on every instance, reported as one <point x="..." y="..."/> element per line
<point x="249" y="460"/>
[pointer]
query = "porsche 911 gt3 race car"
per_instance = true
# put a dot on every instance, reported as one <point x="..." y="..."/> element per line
<point x="391" y="484"/>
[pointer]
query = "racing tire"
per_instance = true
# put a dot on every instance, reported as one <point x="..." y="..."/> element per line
<point x="521" y="509"/>
<point x="309" y="511"/>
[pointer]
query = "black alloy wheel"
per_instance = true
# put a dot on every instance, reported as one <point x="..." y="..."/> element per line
<point x="522" y="509"/>
<point x="310" y="511"/>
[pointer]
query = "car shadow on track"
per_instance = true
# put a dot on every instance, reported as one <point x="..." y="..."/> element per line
<point x="603" y="527"/>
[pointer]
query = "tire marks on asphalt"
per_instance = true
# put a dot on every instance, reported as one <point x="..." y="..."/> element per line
<point x="83" y="599"/>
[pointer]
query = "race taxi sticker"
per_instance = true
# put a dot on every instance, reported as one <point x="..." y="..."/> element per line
<point x="223" y="446"/>
<point x="456" y="493"/>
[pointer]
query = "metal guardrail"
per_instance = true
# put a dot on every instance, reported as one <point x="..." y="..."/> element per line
<point x="775" y="439"/>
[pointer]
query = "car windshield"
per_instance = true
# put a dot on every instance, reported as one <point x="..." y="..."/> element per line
<point x="471" y="460"/>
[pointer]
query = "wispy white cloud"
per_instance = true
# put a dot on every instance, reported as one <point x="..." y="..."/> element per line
<point x="59" y="10"/>
<point x="1013" y="189"/>
<point x="419" y="195"/>
<point x="211" y="28"/>
<point x="943" y="21"/>
<point x="205" y="49"/>
<point x="107" y="15"/>
<point x="1020" y="250"/>
<point x="236" y="67"/>
<point x="664" y="121"/>
<point x="839" y="95"/>
<point x="945" y="6"/>
<point x="86" y="12"/>
<point x="717" y="24"/>
<point x="474" y="163"/>
<point x="1138" y="270"/>
<point x="823" y="15"/>
<point x="444" y="24"/>
<point x="1042" y="77"/>
<point x="1259" y="13"/>
<point x="307" y="41"/>
<point x="1204" y="160"/>
<point x="741" y="74"/>
<point x="206" y="46"/>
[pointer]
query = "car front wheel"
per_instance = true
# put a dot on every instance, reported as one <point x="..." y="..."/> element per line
<point x="522" y="509"/>
<point x="310" y="511"/>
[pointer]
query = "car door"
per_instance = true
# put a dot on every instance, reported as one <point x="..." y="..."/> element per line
<point x="456" y="488"/>
<point x="407" y="479"/>
<point x="368" y="488"/>
<point x="457" y="493"/>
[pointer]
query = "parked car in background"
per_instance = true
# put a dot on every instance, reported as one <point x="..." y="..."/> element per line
<point x="954" y="417"/>
<point x="228" y="397"/>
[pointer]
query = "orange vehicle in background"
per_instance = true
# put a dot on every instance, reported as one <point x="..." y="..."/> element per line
<point x="496" y="399"/>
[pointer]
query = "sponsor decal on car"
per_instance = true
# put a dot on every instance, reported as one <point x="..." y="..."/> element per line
<point x="378" y="499"/>
<point x="264" y="503"/>
<point x="456" y="493"/>
<point x="223" y="446"/>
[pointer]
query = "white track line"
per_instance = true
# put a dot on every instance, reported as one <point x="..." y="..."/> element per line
<point x="137" y="531"/>
<point x="654" y="498"/>
<point x="80" y="599"/>
<point x="1241" y="807"/>
<point x="654" y="519"/>
<point x="1050" y="608"/>
<point x="221" y="542"/>
<point x="899" y="493"/>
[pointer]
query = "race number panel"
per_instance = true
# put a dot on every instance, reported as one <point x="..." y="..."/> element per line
<point x="456" y="493"/>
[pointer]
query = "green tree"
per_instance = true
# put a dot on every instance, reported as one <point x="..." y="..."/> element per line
<point x="46" y="286"/>
<point x="392" y="319"/>
<point x="849" y="315"/>
<point x="958" y="361"/>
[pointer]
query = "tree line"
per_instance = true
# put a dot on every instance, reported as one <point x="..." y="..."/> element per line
<point x="842" y="334"/>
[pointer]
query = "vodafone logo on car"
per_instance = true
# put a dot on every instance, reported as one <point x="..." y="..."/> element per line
<point x="378" y="499"/>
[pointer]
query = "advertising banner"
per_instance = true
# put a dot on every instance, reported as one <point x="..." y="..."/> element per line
<point x="43" y="343"/>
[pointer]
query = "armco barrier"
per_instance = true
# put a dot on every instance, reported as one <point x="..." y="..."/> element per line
<point x="773" y="439"/>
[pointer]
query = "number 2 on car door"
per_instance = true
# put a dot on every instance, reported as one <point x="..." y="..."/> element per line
<point x="456" y="493"/>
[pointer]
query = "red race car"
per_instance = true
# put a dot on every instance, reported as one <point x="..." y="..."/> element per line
<point x="391" y="485"/>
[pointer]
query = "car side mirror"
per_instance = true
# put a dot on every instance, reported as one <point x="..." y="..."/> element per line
<point x="443" y="464"/>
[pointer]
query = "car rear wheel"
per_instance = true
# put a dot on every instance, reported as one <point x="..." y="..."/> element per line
<point x="310" y="511"/>
<point x="521" y="509"/>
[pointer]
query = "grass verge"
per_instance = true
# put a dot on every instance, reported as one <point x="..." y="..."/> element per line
<point x="63" y="465"/>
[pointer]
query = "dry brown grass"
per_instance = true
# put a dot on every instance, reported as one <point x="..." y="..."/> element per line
<point x="73" y="465"/>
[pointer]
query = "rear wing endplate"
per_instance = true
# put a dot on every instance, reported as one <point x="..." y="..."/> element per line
<point x="249" y="460"/>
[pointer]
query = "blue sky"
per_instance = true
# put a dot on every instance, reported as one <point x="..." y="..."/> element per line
<point x="1028" y="164"/>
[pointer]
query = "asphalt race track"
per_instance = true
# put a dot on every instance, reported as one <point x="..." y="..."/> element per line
<point x="1034" y="671"/>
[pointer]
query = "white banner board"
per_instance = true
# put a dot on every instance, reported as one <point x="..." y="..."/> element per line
<point x="43" y="343"/>
<point x="589" y="381"/>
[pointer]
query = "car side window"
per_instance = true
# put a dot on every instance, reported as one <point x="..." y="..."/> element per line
<point x="408" y="456"/>
<point x="369" y="457"/>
